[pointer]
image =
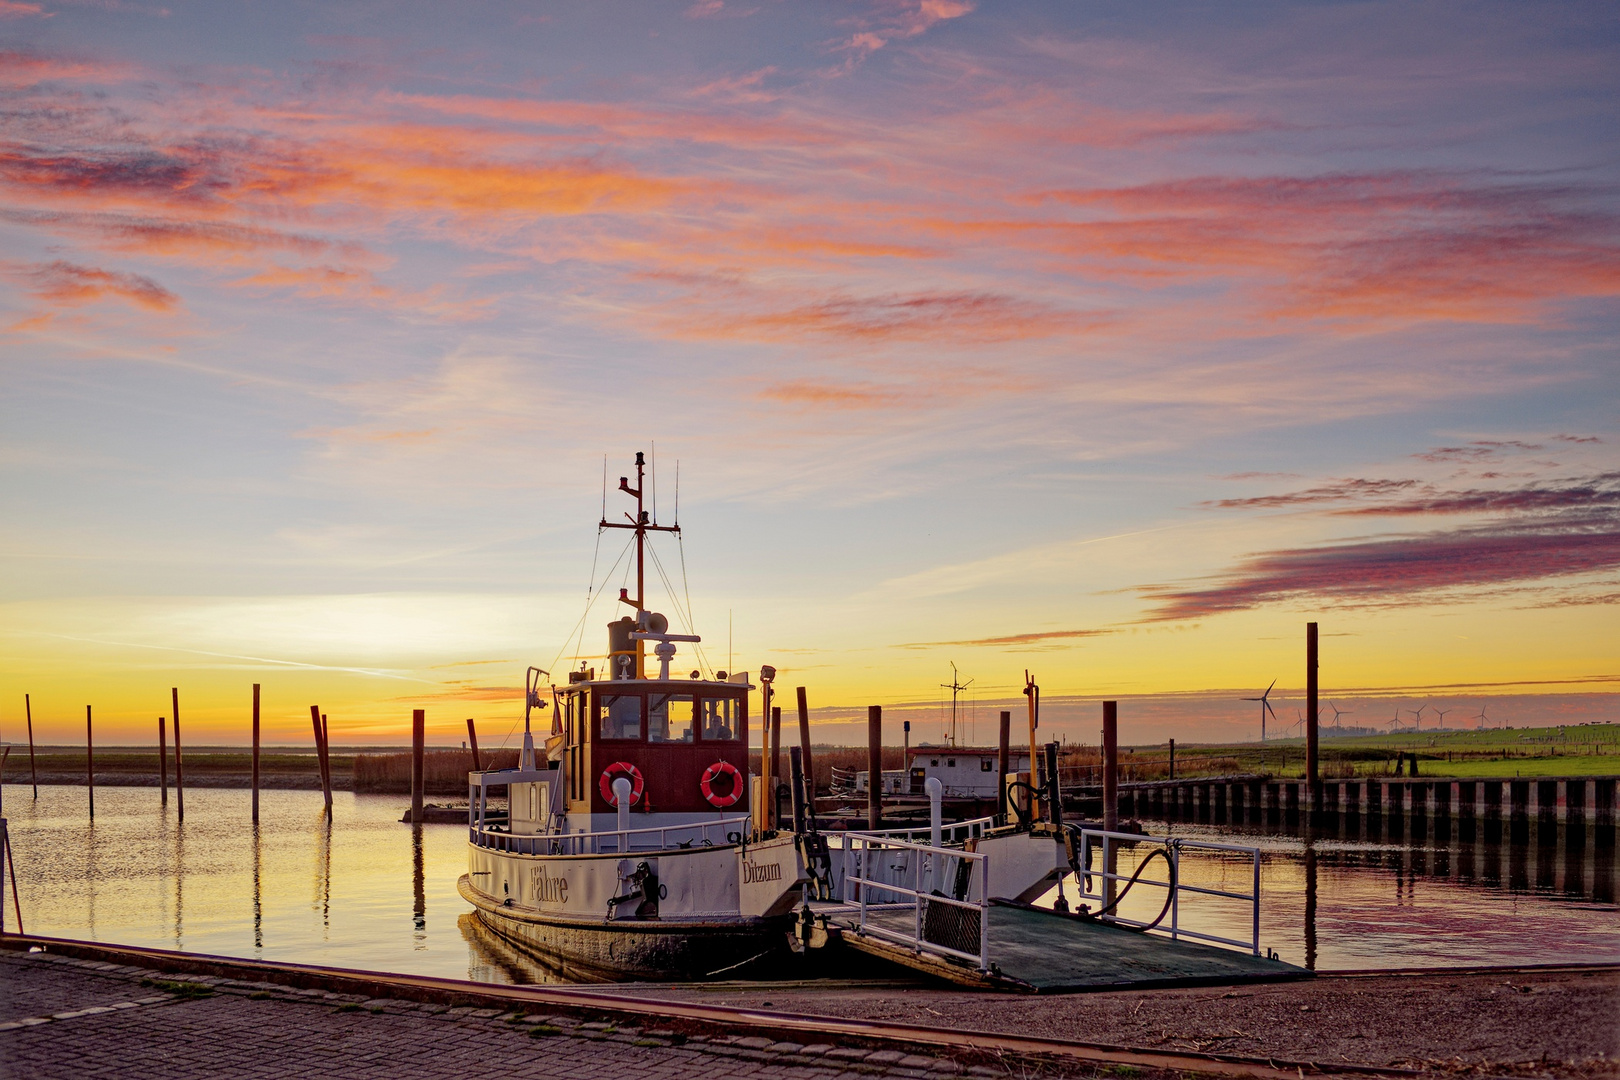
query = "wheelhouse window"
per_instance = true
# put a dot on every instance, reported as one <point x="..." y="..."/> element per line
<point x="669" y="718"/>
<point x="619" y="716"/>
<point x="719" y="719"/>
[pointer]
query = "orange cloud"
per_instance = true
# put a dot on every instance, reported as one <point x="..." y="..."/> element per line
<point x="950" y="317"/>
<point x="11" y="9"/>
<point x="68" y="284"/>
<point x="810" y="392"/>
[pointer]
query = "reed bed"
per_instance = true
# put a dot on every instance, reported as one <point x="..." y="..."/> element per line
<point x="444" y="772"/>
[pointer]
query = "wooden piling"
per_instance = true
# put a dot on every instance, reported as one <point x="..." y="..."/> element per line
<point x="255" y="753"/>
<point x="776" y="766"/>
<point x="179" y="764"/>
<point x="326" y="764"/>
<point x="767" y="784"/>
<point x="418" y="747"/>
<point x="1033" y="693"/>
<point x="472" y="741"/>
<point x="1312" y="774"/>
<point x="796" y="788"/>
<point x="1110" y="763"/>
<point x="315" y="722"/>
<point x="804" y="750"/>
<point x="874" y="767"/>
<point x="28" y="707"/>
<point x="90" y="761"/>
<point x="1172" y="759"/>
<point x="163" y="762"/>
<point x="1003" y="753"/>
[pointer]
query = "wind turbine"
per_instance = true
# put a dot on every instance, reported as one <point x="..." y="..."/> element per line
<point x="1265" y="707"/>
<point x="955" y="686"/>
<point x="1481" y="718"/>
<point x="1338" y="712"/>
<point x="1417" y="717"/>
<point x="1442" y="713"/>
<point x="1395" y="722"/>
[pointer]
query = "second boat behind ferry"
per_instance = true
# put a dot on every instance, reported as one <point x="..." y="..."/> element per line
<point x="629" y="850"/>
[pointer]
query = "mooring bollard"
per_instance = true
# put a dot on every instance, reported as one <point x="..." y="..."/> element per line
<point x="472" y="741"/>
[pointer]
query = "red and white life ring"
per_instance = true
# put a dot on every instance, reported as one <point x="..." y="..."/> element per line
<point x="605" y="783"/>
<point x="720" y="802"/>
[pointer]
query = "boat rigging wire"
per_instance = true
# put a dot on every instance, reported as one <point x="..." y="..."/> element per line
<point x="685" y="616"/>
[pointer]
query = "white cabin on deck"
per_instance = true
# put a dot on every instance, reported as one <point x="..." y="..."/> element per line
<point x="966" y="772"/>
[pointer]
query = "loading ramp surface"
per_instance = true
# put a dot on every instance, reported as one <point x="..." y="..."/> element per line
<point x="1041" y="951"/>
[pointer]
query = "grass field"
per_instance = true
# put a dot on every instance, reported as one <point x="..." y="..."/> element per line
<point x="1583" y="750"/>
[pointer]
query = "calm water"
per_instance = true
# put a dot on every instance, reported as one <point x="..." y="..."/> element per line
<point x="365" y="891"/>
<point x="1334" y="903"/>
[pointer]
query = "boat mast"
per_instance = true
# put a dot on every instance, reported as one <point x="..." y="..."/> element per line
<point x="642" y="526"/>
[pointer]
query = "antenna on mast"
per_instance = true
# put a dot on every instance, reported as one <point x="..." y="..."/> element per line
<point x="955" y="686"/>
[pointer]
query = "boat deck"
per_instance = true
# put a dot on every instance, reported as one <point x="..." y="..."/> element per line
<point x="1035" y="950"/>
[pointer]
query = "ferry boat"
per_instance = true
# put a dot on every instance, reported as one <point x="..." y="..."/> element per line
<point x="631" y="846"/>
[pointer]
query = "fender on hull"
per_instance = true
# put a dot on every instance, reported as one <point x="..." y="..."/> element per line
<point x="627" y="950"/>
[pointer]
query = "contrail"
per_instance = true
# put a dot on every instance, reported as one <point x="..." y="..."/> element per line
<point x="255" y="659"/>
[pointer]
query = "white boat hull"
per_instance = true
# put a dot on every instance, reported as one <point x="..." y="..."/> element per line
<point x="717" y="908"/>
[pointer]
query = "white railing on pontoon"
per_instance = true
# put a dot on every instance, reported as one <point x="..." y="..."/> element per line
<point x="611" y="841"/>
<point x="927" y="865"/>
<point x="954" y="833"/>
<point x="1173" y="847"/>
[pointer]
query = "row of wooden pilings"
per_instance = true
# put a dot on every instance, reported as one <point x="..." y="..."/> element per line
<point x="1259" y="801"/>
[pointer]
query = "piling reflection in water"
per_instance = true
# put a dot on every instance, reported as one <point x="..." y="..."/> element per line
<point x="1492" y="871"/>
<point x="365" y="891"/>
<point x="258" y="885"/>
<point x="419" y="888"/>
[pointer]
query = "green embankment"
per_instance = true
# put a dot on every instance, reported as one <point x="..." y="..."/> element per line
<point x="1576" y="750"/>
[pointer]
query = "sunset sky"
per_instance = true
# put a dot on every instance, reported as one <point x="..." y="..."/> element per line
<point x="1110" y="341"/>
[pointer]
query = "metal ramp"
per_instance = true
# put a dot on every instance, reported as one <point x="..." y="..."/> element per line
<point x="968" y="938"/>
<point x="1041" y="951"/>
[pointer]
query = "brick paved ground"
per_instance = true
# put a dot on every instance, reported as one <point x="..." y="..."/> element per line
<point x="62" y="1017"/>
<point x="1566" y="1023"/>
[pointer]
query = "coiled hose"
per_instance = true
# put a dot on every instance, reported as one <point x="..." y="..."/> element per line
<point x="1076" y="844"/>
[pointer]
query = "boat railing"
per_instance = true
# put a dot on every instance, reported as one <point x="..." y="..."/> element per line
<point x="1106" y="881"/>
<point x="942" y="925"/>
<point x="611" y="841"/>
<point x="954" y="833"/>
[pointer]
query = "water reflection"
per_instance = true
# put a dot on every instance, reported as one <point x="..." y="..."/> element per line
<point x="1429" y="892"/>
<point x="1310" y="904"/>
<point x="365" y="891"/>
<point x="323" y="872"/>
<point x="419" y="887"/>
<point x="258" y="891"/>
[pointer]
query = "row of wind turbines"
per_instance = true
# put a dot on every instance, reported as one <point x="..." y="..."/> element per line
<point x="1396" y="724"/>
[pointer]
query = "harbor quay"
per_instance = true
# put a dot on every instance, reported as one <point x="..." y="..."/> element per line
<point x="87" y="1011"/>
<point x="1486" y="804"/>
